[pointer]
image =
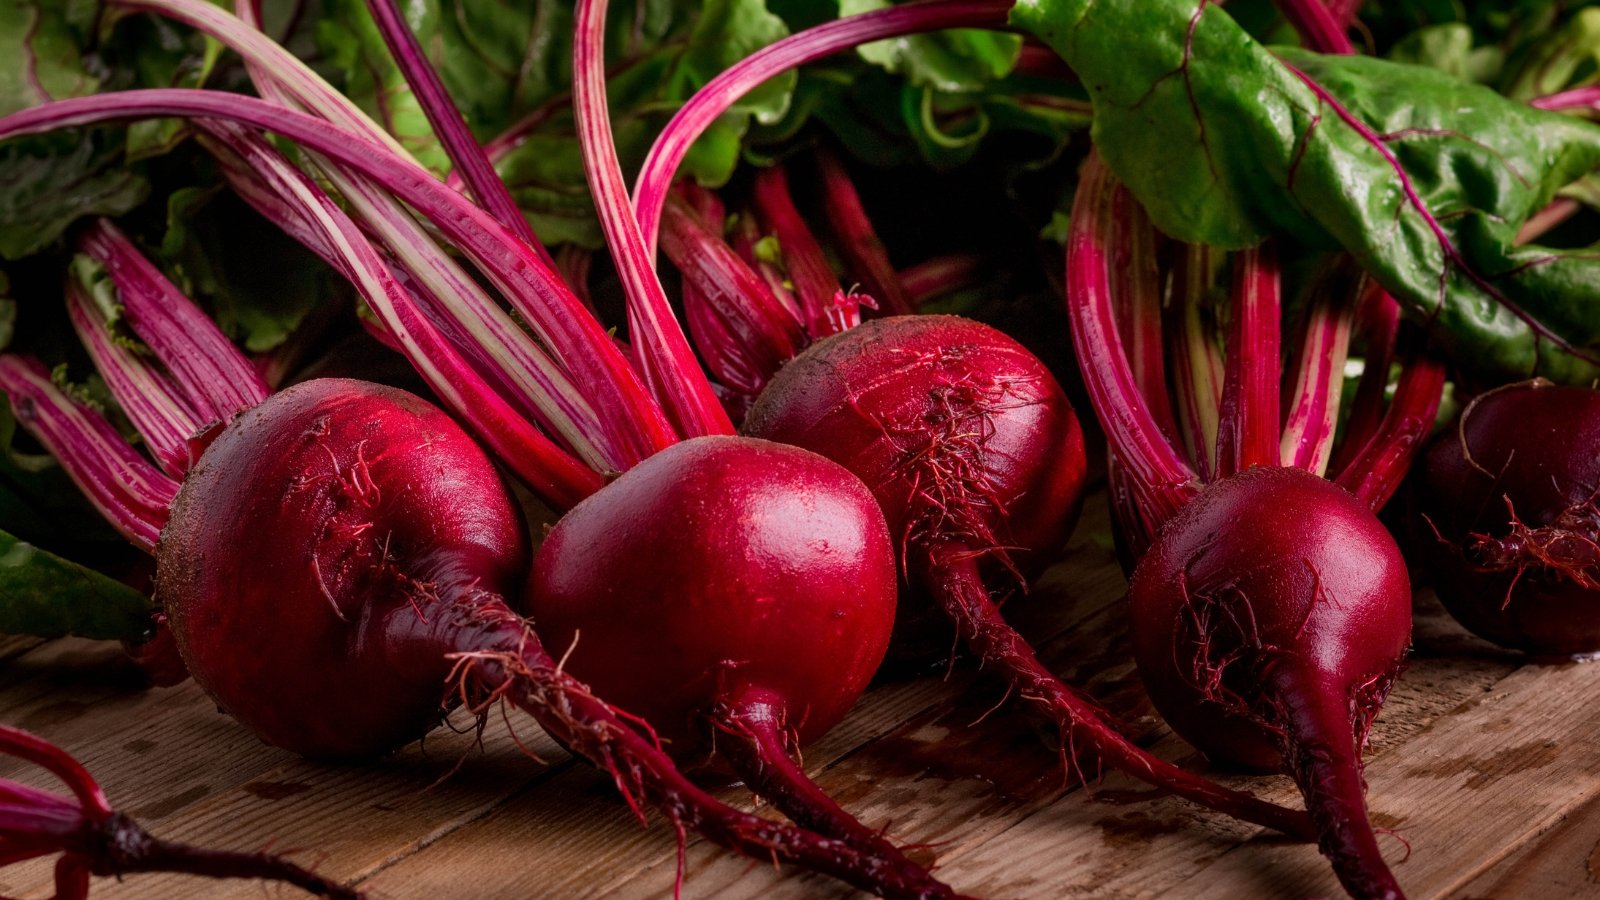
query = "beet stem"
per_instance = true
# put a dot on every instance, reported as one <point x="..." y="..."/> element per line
<point x="127" y="489"/>
<point x="1136" y="292"/>
<point x="449" y="125"/>
<point x="953" y="576"/>
<point x="1377" y="322"/>
<point x="752" y="738"/>
<point x="218" y="379"/>
<point x="744" y="333"/>
<point x="858" y="240"/>
<point x="1312" y="415"/>
<point x="1320" y="748"/>
<point x="1249" y="434"/>
<point x="1376" y="472"/>
<point x="931" y="279"/>
<point x="814" y="280"/>
<point x="661" y="352"/>
<point x="156" y="406"/>
<point x="1164" y="480"/>
<point x="1197" y="361"/>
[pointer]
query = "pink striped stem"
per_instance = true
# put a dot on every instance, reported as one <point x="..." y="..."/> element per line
<point x="128" y="490"/>
<point x="466" y="156"/>
<point x="1247" y="431"/>
<point x="661" y="352"/>
<point x="632" y="420"/>
<point x="1136" y="291"/>
<point x="632" y="425"/>
<point x="217" y="378"/>
<point x="1321" y="25"/>
<point x="1163" y="480"/>
<point x="1587" y="97"/>
<point x="147" y="394"/>
<point x="1559" y="210"/>
<point x="1378" y="469"/>
<point x="815" y="284"/>
<point x="556" y="476"/>
<point x="533" y="383"/>
<point x="304" y="86"/>
<point x="858" y="241"/>
<point x="931" y="279"/>
<point x="1313" y="413"/>
<point x="1377" y="322"/>
<point x="744" y="334"/>
<point x="1197" y="368"/>
<point x="746" y="241"/>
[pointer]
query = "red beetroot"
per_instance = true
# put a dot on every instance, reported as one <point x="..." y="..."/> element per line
<point x="965" y="438"/>
<point x="721" y="573"/>
<point x="1272" y="609"/>
<point x="372" y="564"/>
<point x="1270" y="620"/>
<point x="1510" y="498"/>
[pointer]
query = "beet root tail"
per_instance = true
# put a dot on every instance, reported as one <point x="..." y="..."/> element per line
<point x="131" y="849"/>
<point x="958" y="587"/>
<point x="514" y="665"/>
<point x="1322" y="754"/>
<point x="753" y="740"/>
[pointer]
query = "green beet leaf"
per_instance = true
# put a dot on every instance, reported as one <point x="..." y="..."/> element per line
<point x="1225" y="143"/>
<point x="42" y="594"/>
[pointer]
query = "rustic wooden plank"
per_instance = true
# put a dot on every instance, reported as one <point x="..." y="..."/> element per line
<point x="1105" y="847"/>
<point x="356" y="818"/>
<point x="1469" y="791"/>
<point x="214" y="784"/>
<point x="1563" y="862"/>
<point x="12" y="645"/>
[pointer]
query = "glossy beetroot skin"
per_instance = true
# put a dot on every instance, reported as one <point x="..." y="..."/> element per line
<point x="1270" y="619"/>
<point x="1511" y="536"/>
<point x="328" y="544"/>
<point x="720" y="574"/>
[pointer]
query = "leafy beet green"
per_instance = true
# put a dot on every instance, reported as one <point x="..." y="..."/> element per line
<point x="43" y="594"/>
<point x="958" y="60"/>
<point x="508" y="70"/>
<point x="52" y="180"/>
<point x="40" y="57"/>
<point x="1446" y="172"/>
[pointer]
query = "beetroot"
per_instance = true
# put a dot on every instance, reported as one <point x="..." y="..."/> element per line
<point x="1270" y="620"/>
<point x="1271" y="609"/>
<point x="737" y="595"/>
<point x="966" y="439"/>
<point x="357" y="491"/>
<point x="721" y="573"/>
<point x="1511" y="535"/>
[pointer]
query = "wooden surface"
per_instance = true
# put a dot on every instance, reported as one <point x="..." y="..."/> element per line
<point x="1487" y="766"/>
